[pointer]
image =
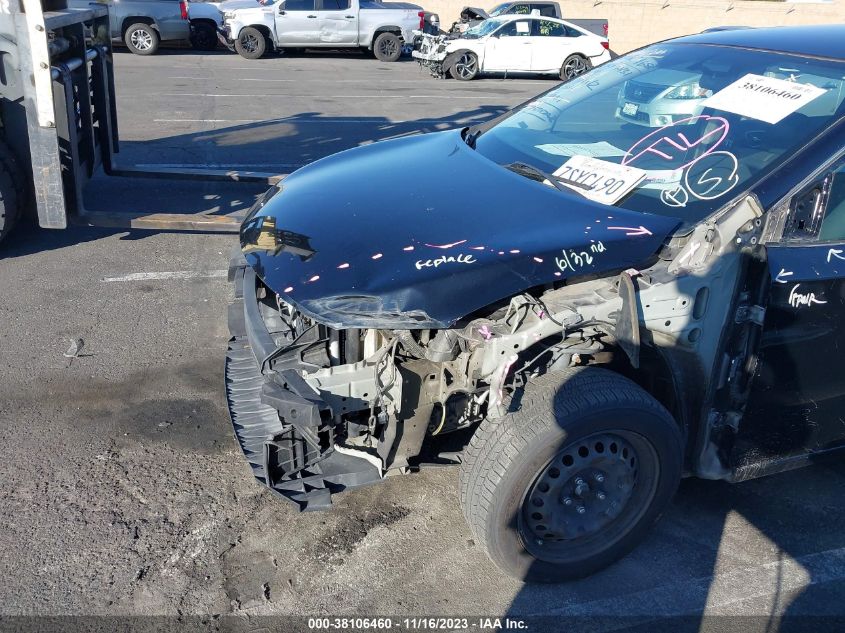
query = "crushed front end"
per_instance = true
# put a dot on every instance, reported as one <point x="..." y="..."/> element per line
<point x="430" y="51"/>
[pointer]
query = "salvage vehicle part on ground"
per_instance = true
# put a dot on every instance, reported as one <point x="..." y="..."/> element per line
<point x="58" y="123"/>
<point x="382" y="28"/>
<point x="608" y="308"/>
<point x="511" y="44"/>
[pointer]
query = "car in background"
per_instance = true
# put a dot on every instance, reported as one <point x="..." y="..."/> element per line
<point x="471" y="16"/>
<point x="381" y="27"/>
<point x="143" y="24"/>
<point x="513" y="43"/>
<point x="668" y="96"/>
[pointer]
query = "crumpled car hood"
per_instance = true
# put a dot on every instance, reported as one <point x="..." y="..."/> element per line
<point x="421" y="231"/>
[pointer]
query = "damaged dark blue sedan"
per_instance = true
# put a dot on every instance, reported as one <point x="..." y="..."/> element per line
<point x="635" y="277"/>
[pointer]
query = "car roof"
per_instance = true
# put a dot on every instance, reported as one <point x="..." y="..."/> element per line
<point x="823" y="40"/>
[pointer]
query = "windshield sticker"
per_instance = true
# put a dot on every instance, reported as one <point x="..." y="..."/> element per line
<point x="662" y="178"/>
<point x="522" y="27"/>
<point x="594" y="150"/>
<point x="712" y="176"/>
<point x="763" y="98"/>
<point x="599" y="180"/>
<point x="672" y="142"/>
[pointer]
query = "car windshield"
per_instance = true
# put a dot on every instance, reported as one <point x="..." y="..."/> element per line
<point x="699" y="124"/>
<point x="483" y="28"/>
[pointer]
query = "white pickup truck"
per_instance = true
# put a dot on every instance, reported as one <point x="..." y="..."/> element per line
<point x="381" y="27"/>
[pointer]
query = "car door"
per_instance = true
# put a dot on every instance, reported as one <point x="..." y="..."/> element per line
<point x="338" y="23"/>
<point x="551" y="43"/>
<point x="509" y="48"/>
<point x="797" y="399"/>
<point x="296" y="23"/>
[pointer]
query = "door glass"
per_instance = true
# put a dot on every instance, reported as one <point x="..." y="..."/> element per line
<point x="552" y="29"/>
<point x="334" y="5"/>
<point x="833" y="224"/>
<point x="517" y="28"/>
<point x="299" y="5"/>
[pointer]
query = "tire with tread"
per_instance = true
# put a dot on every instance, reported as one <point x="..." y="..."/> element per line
<point x="251" y="43"/>
<point x="141" y="38"/>
<point x="552" y="412"/>
<point x="573" y="66"/>
<point x="463" y="66"/>
<point x="12" y="190"/>
<point x="387" y="47"/>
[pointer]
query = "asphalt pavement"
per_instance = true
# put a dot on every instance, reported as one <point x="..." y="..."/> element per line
<point x="124" y="492"/>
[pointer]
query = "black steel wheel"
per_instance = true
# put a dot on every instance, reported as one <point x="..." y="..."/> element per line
<point x="573" y="66"/>
<point x="573" y="477"/>
<point x="251" y="43"/>
<point x="141" y="39"/>
<point x="465" y="66"/>
<point x="387" y="47"/>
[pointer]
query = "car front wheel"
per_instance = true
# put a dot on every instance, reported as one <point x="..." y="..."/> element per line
<point x="465" y="66"/>
<point x="251" y="43"/>
<point x="573" y="477"/>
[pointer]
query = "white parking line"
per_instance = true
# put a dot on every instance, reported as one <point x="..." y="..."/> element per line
<point x="175" y="274"/>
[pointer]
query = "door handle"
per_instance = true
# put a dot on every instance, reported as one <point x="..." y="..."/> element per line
<point x="350" y="17"/>
<point x="312" y="16"/>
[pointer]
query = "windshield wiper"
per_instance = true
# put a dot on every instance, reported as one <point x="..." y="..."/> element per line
<point x="535" y="173"/>
<point x="470" y="134"/>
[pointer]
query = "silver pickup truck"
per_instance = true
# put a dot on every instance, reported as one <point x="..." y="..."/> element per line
<point x="143" y="24"/>
<point x="381" y="27"/>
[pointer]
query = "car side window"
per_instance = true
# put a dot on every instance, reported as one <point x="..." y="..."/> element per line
<point x="570" y="32"/>
<point x="548" y="28"/>
<point x="299" y="5"/>
<point x="517" y="28"/>
<point x="334" y="5"/>
<point x="833" y="223"/>
<point x="547" y="10"/>
<point x="817" y="214"/>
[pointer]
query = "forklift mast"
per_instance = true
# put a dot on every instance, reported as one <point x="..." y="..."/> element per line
<point x="58" y="114"/>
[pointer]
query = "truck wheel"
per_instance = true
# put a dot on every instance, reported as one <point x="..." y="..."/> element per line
<point x="574" y="478"/>
<point x="573" y="66"/>
<point x="11" y="190"/>
<point x="387" y="47"/>
<point x="465" y="66"/>
<point x="203" y="36"/>
<point x="141" y="39"/>
<point x="251" y="43"/>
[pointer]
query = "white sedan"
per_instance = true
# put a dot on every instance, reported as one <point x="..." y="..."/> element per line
<point x="513" y="43"/>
